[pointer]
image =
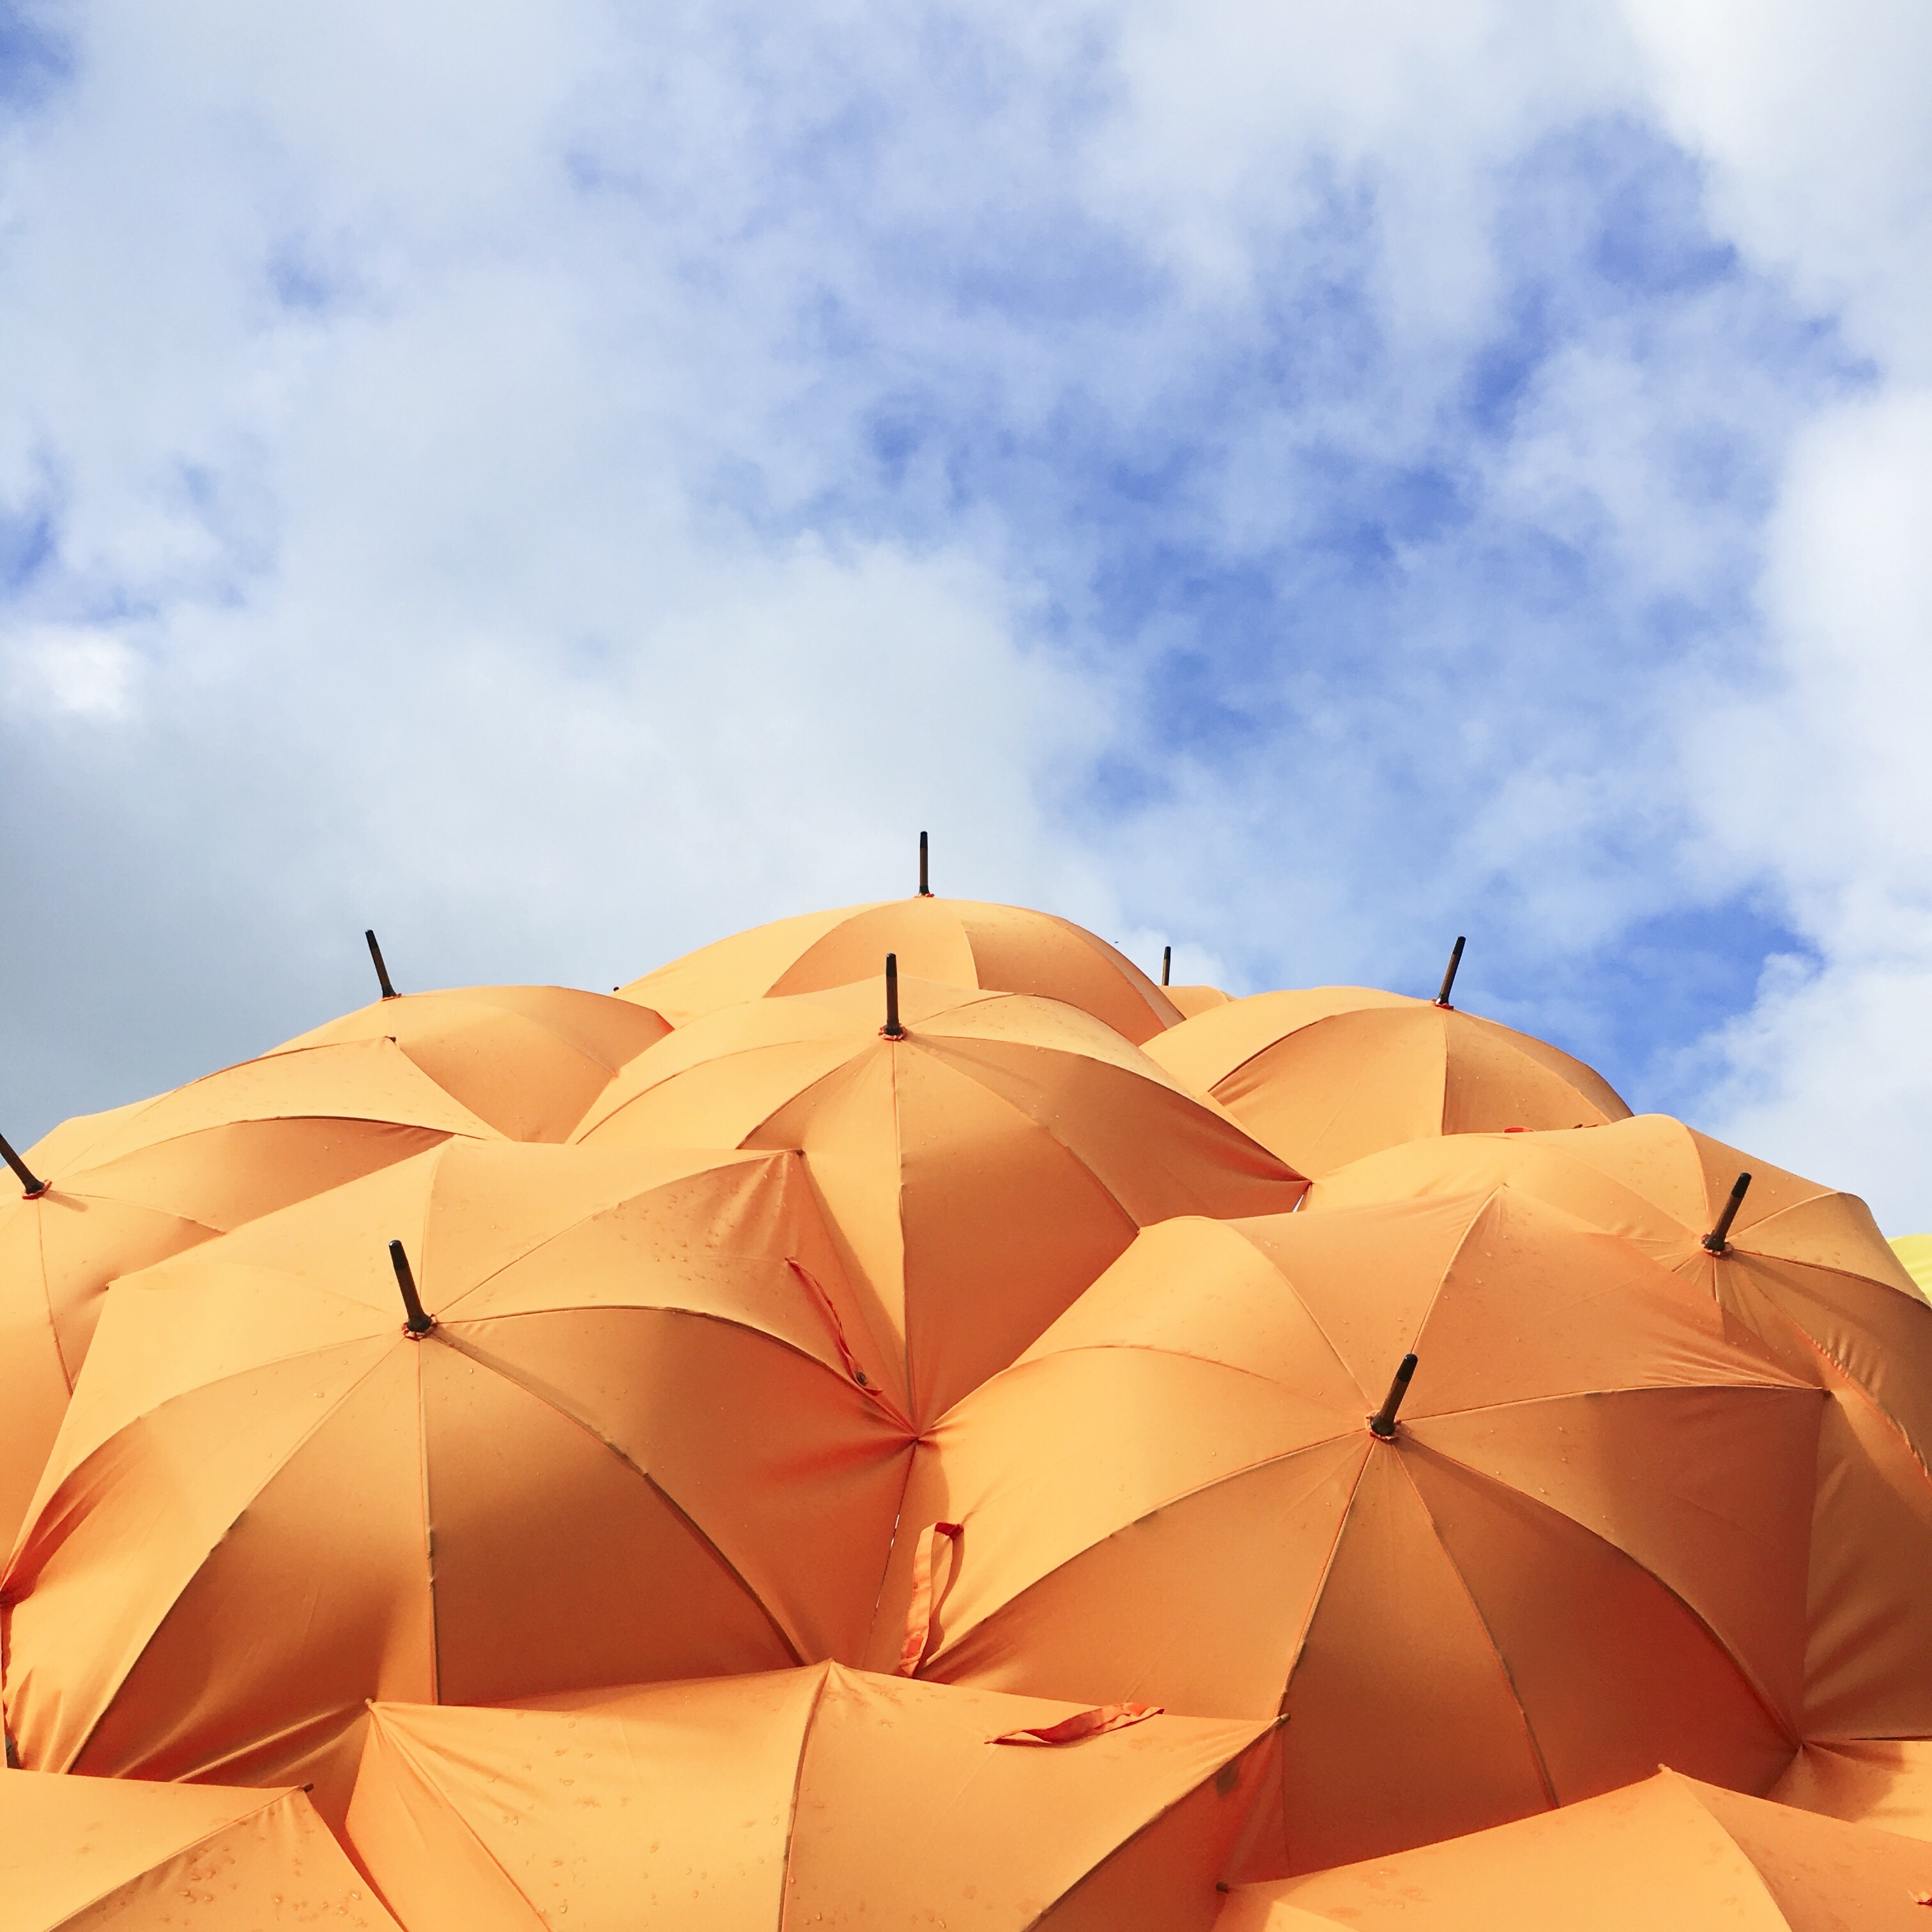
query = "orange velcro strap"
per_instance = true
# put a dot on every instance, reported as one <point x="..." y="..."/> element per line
<point x="1082" y="1724"/>
<point x="827" y="1308"/>
<point x="925" y="1594"/>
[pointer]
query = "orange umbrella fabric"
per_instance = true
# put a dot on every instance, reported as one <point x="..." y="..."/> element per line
<point x="1805" y="1270"/>
<point x="979" y="1172"/>
<point x="629" y="1448"/>
<point x="130" y="1187"/>
<point x="1327" y="1075"/>
<point x="1189" y="1000"/>
<point x="1670" y="1855"/>
<point x="823" y="1796"/>
<point x="529" y="1060"/>
<point x="84" y="1854"/>
<point x="1582" y="1551"/>
<point x="963" y="942"/>
<point x="1883" y="1781"/>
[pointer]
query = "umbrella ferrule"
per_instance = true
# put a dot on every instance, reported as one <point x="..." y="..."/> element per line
<point x="414" y="1319"/>
<point x="1449" y="977"/>
<point x="891" y="1030"/>
<point x="1166" y="963"/>
<point x="31" y="1186"/>
<point x="1381" y="1424"/>
<point x="381" y="971"/>
<point x="924" y="889"/>
<point x="1718" y="1241"/>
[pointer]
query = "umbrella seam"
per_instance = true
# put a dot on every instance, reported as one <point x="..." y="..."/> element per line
<point x="1141" y="1831"/>
<point x="797" y="1786"/>
<point x="1745" y="1672"/>
<point x="510" y="1374"/>
<point x="399" y="1741"/>
<point x="557" y="1234"/>
<point x="1489" y="1635"/>
<point x="1170" y="1501"/>
<point x="269" y="1802"/>
<point x="168" y="1615"/>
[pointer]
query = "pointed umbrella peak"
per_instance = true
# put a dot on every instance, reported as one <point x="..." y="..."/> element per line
<point x="1382" y="1424"/>
<point x="415" y="1320"/>
<point x="891" y="1030"/>
<point x="1449" y="975"/>
<point x="924" y="884"/>
<point x="31" y="1186"/>
<point x="1718" y="1241"/>
<point x="381" y="971"/>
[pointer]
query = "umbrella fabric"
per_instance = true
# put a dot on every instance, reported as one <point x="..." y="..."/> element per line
<point x="1915" y="1256"/>
<point x="797" y="1798"/>
<point x="132" y="1187"/>
<point x="1583" y="1552"/>
<point x="1670" y="1855"/>
<point x="978" y="1173"/>
<point x="1807" y="1270"/>
<point x="85" y="1854"/>
<point x="529" y="1060"/>
<point x="1000" y="948"/>
<point x="1189" y="1000"/>
<point x="1326" y="1075"/>
<point x="631" y="1448"/>
<point x="1883" y="1781"/>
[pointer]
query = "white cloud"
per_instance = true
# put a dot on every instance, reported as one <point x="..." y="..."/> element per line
<point x="65" y="671"/>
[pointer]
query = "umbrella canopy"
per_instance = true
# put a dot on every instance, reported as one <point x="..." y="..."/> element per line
<point x="85" y="1854"/>
<point x="1670" y="1854"/>
<point x="629" y="1447"/>
<point x="1580" y="1549"/>
<point x="1806" y="1270"/>
<point x="1915" y="1254"/>
<point x="797" y="1798"/>
<point x="529" y="1060"/>
<point x="963" y="942"/>
<point x="979" y="1171"/>
<point x="1883" y="1781"/>
<point x="130" y="1187"/>
<point x="1325" y="1075"/>
<point x="1189" y="1000"/>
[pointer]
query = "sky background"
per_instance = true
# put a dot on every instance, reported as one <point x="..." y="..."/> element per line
<point x="1297" y="481"/>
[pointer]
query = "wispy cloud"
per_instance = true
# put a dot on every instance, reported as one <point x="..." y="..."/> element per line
<point x="1303" y="481"/>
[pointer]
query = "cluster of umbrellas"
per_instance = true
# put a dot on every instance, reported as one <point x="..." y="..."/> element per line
<point x="897" y="1419"/>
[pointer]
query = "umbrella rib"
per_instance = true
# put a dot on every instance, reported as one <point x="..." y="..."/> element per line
<point x="509" y="1373"/>
<point x="1489" y="1636"/>
<point x="398" y="1741"/>
<point x="1161" y="1348"/>
<point x="270" y="1799"/>
<point x="1141" y="1831"/>
<point x="797" y="1788"/>
<point x="1141" y="1515"/>
<point x="1745" y="1673"/>
<point x="167" y="1616"/>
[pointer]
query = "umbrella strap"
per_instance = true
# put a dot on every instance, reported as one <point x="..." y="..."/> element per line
<point x="926" y="1594"/>
<point x="1092" y="1724"/>
<point x="829" y="1309"/>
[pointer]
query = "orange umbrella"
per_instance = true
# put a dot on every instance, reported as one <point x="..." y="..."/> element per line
<point x="122" y="1189"/>
<point x="1670" y="1855"/>
<point x="1326" y="1075"/>
<point x="801" y="1798"/>
<point x="1883" y="1781"/>
<point x="86" y="1854"/>
<point x="626" y="1444"/>
<point x="1806" y="1270"/>
<point x="1579" y="1547"/>
<point x="963" y="942"/>
<point x="980" y="1168"/>
<point x="527" y="1059"/>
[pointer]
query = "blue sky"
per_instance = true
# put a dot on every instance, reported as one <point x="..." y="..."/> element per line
<point x="1299" y="482"/>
